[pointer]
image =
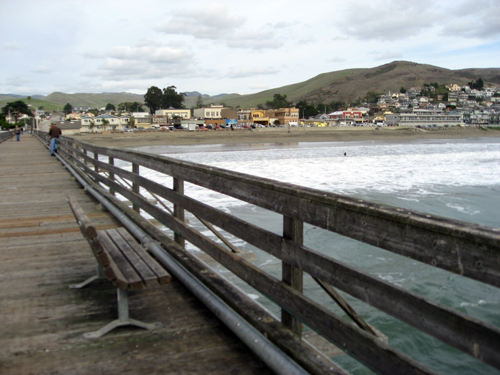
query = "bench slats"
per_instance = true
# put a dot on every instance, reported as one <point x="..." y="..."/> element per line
<point x="113" y="274"/>
<point x="135" y="260"/>
<point x="162" y="275"/>
<point x="122" y="260"/>
<point x="131" y="277"/>
<point x="99" y="253"/>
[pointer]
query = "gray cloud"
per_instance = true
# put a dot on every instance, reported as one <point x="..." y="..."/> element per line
<point x="13" y="46"/>
<point x="42" y="70"/>
<point x="251" y="72"/>
<point x="474" y="19"/>
<point x="255" y="40"/>
<point x="17" y="81"/>
<point x="212" y="22"/>
<point x="389" y="21"/>
<point x="142" y="62"/>
<point x="216" y="23"/>
<point x="337" y="59"/>
<point x="378" y="55"/>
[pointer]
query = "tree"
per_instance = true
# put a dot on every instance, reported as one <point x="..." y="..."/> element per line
<point x="337" y="105"/>
<point x="68" y="108"/>
<point x="172" y="99"/>
<point x="306" y="110"/>
<point x="372" y="97"/>
<point x="153" y="99"/>
<point x="130" y="107"/>
<point x="110" y="107"/>
<point x="3" y="121"/>
<point x="136" y="107"/>
<point x="94" y="111"/>
<point x="279" y="101"/>
<point x="478" y="84"/>
<point x="199" y="102"/>
<point x="16" y="109"/>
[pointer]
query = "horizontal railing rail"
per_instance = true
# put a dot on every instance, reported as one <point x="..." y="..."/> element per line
<point x="466" y="249"/>
<point x="4" y="136"/>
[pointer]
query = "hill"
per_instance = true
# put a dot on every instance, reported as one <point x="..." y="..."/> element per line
<point x="350" y="84"/>
<point x="94" y="100"/>
<point x="57" y="100"/>
<point x="343" y="85"/>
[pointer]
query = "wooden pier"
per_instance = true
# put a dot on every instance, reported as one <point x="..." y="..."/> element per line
<point x="42" y="321"/>
<point x="42" y="252"/>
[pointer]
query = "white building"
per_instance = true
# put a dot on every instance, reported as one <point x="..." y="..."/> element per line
<point x="424" y="117"/>
<point x="184" y="114"/>
<point x="212" y="112"/>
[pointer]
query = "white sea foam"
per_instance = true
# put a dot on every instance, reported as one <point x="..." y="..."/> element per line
<point x="404" y="171"/>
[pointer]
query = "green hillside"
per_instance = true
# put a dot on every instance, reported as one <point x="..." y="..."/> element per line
<point x="343" y="85"/>
<point x="48" y="106"/>
<point x="350" y="84"/>
<point x="93" y="100"/>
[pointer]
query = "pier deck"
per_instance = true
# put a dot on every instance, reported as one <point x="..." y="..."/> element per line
<point x="42" y="252"/>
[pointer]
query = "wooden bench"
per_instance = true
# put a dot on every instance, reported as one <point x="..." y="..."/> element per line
<point x="124" y="262"/>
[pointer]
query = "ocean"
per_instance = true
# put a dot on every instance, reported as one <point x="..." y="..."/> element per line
<point x="458" y="179"/>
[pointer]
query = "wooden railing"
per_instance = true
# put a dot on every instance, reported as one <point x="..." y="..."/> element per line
<point x="467" y="249"/>
<point x="4" y="136"/>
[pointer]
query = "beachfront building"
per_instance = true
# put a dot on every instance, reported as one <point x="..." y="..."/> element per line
<point x="424" y="117"/>
<point x="212" y="112"/>
<point x="167" y="117"/>
<point x="244" y="117"/>
<point x="259" y="116"/>
<point x="252" y="116"/>
<point x="105" y="123"/>
<point x="347" y="114"/>
<point x="184" y="114"/>
<point x="141" y="120"/>
<point x="284" y="116"/>
<point x="347" y="117"/>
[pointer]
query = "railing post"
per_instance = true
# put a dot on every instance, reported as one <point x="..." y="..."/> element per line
<point x="135" y="186"/>
<point x="293" y="230"/>
<point x="179" y="211"/>
<point x="96" y="157"/>
<point x="111" y="161"/>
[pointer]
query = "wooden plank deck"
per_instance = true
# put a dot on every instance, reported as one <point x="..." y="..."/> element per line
<point x="42" y="321"/>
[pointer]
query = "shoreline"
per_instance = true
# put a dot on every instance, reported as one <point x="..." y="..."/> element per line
<point x="278" y="136"/>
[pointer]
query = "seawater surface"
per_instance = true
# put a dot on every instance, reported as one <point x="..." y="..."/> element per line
<point x="457" y="179"/>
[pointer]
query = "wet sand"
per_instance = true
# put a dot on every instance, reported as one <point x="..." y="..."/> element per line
<point x="278" y="135"/>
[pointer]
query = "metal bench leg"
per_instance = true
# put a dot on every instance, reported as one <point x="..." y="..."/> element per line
<point x="98" y="275"/>
<point x="123" y="318"/>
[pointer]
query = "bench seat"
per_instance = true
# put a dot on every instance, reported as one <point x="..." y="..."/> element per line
<point x="122" y="261"/>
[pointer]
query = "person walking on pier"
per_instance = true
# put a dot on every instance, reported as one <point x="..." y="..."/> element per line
<point x="54" y="133"/>
<point x="17" y="132"/>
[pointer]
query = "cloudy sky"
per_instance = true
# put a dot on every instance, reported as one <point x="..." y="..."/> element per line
<point x="231" y="46"/>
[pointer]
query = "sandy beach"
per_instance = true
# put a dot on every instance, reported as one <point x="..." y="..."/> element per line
<point x="278" y="135"/>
